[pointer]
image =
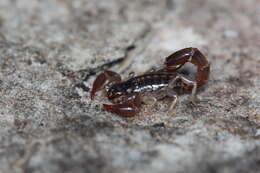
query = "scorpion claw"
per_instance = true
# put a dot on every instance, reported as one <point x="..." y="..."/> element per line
<point x="102" y="79"/>
<point x="98" y="84"/>
<point x="123" y="110"/>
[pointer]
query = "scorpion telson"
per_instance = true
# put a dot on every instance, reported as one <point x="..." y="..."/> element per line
<point x="128" y="95"/>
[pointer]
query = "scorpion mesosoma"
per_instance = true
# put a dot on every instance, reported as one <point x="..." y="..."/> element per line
<point x="128" y="95"/>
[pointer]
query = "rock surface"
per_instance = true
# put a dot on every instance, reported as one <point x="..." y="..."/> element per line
<point x="48" y="124"/>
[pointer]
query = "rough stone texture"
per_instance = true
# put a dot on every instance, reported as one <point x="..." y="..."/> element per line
<point x="48" y="124"/>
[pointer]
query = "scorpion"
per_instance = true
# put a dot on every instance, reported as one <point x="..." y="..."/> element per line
<point x="127" y="96"/>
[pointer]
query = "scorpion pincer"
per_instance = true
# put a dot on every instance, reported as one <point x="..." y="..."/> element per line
<point x="128" y="95"/>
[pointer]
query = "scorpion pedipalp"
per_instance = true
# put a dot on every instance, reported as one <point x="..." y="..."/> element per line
<point x="127" y="109"/>
<point x="101" y="80"/>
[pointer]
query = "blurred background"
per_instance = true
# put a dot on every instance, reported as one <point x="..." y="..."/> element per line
<point x="49" y="124"/>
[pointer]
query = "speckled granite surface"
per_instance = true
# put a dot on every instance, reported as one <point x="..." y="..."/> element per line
<point x="47" y="124"/>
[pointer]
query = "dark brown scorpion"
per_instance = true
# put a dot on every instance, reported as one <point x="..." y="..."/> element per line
<point x="128" y="95"/>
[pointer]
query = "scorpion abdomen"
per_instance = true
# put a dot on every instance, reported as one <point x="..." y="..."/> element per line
<point x="149" y="82"/>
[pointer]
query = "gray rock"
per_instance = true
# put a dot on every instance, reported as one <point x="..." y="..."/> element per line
<point x="49" y="124"/>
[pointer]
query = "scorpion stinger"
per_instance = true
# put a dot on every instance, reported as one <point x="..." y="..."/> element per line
<point x="194" y="56"/>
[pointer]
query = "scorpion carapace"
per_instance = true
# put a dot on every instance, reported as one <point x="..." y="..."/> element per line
<point x="128" y="95"/>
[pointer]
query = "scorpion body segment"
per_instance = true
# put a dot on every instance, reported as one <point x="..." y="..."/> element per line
<point x="141" y="84"/>
<point x="127" y="95"/>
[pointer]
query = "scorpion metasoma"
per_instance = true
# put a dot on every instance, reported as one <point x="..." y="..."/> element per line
<point x="128" y="95"/>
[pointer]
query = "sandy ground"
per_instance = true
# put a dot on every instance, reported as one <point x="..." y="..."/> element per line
<point x="49" y="124"/>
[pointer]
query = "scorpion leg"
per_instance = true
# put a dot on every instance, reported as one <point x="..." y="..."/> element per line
<point x="127" y="109"/>
<point x="194" y="56"/>
<point x="188" y="83"/>
<point x="100" y="81"/>
<point x="173" y="95"/>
